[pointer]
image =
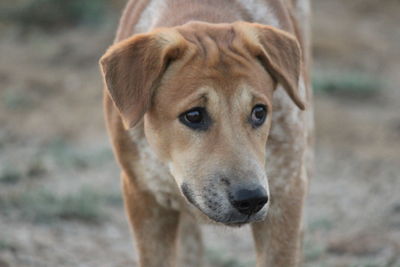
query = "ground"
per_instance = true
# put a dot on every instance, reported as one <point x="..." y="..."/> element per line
<point x="60" y="199"/>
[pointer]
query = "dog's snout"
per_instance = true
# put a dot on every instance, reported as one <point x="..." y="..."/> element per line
<point x="249" y="201"/>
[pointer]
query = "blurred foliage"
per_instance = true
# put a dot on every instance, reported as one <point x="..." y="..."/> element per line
<point x="10" y="176"/>
<point x="67" y="156"/>
<point x="55" y="14"/>
<point x="16" y="101"/>
<point x="45" y="206"/>
<point x="6" y="244"/>
<point x="324" y="224"/>
<point x="218" y="259"/>
<point x="312" y="251"/>
<point x="36" y="168"/>
<point x="349" y="84"/>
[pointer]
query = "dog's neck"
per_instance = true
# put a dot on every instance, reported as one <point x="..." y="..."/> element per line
<point x="207" y="10"/>
<point x="143" y="16"/>
<point x="178" y="12"/>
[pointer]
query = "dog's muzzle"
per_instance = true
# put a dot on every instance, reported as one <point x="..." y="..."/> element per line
<point x="231" y="206"/>
<point x="249" y="201"/>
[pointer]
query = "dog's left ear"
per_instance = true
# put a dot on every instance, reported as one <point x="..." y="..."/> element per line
<point x="132" y="70"/>
<point x="279" y="53"/>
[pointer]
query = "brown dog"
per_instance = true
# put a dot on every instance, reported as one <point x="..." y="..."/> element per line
<point x="193" y="90"/>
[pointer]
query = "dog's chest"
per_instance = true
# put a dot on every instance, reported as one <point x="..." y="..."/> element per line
<point x="154" y="176"/>
<point x="260" y="11"/>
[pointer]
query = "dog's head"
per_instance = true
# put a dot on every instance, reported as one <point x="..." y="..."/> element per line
<point x="205" y="93"/>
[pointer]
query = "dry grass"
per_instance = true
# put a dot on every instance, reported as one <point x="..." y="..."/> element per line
<point x="43" y="206"/>
<point x="56" y="165"/>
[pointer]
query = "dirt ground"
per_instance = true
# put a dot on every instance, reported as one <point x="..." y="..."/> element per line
<point x="59" y="187"/>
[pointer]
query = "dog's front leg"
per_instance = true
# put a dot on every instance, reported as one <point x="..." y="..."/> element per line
<point x="190" y="247"/>
<point x="154" y="226"/>
<point x="278" y="238"/>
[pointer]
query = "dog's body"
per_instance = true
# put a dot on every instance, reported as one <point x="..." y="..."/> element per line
<point x="152" y="173"/>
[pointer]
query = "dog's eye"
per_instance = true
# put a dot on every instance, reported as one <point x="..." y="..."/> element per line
<point x="258" y="115"/>
<point x="196" y="119"/>
<point x="194" y="116"/>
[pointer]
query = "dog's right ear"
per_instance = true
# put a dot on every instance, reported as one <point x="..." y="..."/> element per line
<point x="279" y="53"/>
<point x="133" y="68"/>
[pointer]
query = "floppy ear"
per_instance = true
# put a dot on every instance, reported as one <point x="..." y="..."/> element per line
<point x="279" y="53"/>
<point x="133" y="68"/>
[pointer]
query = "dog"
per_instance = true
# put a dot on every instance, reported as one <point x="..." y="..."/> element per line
<point x="209" y="109"/>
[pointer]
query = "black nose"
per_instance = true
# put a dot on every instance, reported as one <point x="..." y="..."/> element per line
<point x="249" y="201"/>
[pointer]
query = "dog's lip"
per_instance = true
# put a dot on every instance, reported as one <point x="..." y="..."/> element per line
<point x="237" y="222"/>
<point x="228" y="221"/>
<point x="247" y="220"/>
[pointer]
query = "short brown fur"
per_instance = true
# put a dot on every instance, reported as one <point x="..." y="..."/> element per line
<point x="211" y="54"/>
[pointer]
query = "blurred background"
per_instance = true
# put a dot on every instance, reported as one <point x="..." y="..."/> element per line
<point x="60" y="202"/>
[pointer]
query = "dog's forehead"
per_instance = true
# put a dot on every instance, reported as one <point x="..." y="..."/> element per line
<point x="219" y="61"/>
<point x="198" y="31"/>
<point x="237" y="98"/>
<point x="218" y="44"/>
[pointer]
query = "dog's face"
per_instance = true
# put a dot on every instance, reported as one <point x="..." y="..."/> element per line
<point x="205" y="93"/>
<point x="211" y="125"/>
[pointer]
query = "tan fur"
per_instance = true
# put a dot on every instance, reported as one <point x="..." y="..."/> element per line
<point x="171" y="56"/>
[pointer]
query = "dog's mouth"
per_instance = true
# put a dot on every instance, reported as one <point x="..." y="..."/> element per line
<point x="233" y="218"/>
<point x="221" y="210"/>
<point x="238" y="224"/>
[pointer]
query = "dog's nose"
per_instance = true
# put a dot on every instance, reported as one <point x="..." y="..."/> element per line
<point x="249" y="201"/>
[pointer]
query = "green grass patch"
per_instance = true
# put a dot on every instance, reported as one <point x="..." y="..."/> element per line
<point x="349" y="84"/>
<point x="56" y="14"/>
<point x="324" y="224"/>
<point x="16" y="101"/>
<point x="66" y="155"/>
<point x="217" y="258"/>
<point x="6" y="244"/>
<point x="36" y="168"/>
<point x="10" y="176"/>
<point x="44" y="206"/>
<point x="312" y="251"/>
<point x="368" y="265"/>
